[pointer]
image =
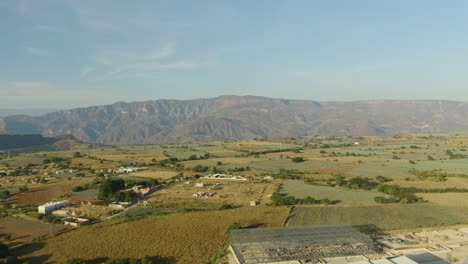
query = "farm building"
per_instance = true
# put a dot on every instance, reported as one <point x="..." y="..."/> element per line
<point x="298" y="244"/>
<point x="119" y="205"/>
<point x="50" y="207"/>
<point x="75" y="221"/>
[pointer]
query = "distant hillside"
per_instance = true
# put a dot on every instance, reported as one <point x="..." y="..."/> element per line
<point x="28" y="111"/>
<point x="35" y="140"/>
<point x="241" y="117"/>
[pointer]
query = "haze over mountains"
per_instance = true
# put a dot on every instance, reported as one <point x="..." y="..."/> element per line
<point x="241" y="117"/>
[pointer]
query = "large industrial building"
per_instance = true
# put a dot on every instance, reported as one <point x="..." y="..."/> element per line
<point x="52" y="206"/>
<point x="298" y="244"/>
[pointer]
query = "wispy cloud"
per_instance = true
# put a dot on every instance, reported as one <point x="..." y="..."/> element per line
<point x="38" y="93"/>
<point x="46" y="28"/>
<point x="37" y="52"/>
<point x="85" y="71"/>
<point x="154" y="67"/>
<point x="115" y="64"/>
<point x="165" y="52"/>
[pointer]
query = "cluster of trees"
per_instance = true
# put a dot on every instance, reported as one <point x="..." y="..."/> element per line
<point x="55" y="160"/>
<point x="433" y="175"/>
<point x="298" y="159"/>
<point x="453" y="155"/>
<point x="200" y="168"/>
<point x="50" y="218"/>
<point x="355" y="183"/>
<point x="80" y="188"/>
<point x="288" y="174"/>
<point x="111" y="189"/>
<point x="279" y="199"/>
<point x="4" y="194"/>
<point x="195" y="157"/>
<point x="401" y="195"/>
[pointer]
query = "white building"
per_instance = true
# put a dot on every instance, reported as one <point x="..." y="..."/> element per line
<point x="50" y="207"/>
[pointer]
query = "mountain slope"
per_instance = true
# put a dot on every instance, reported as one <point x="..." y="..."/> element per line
<point x="241" y="117"/>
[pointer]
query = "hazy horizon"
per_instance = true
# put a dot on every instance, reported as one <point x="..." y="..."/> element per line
<point x="67" y="54"/>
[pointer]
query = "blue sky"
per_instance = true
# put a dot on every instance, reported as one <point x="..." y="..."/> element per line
<point x="66" y="53"/>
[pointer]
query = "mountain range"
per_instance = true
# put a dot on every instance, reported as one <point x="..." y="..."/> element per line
<point x="241" y="117"/>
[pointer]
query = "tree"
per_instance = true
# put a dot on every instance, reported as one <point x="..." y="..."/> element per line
<point x="109" y="187"/>
<point x="298" y="159"/>
<point x="4" y="251"/>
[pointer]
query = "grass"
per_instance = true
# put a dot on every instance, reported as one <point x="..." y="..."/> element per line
<point x="299" y="189"/>
<point x="180" y="238"/>
<point x="384" y="217"/>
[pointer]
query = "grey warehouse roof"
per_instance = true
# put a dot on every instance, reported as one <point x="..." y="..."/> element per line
<point x="306" y="243"/>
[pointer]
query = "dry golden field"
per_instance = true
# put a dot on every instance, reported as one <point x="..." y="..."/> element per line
<point x="47" y="192"/>
<point x="182" y="238"/>
<point x="22" y="230"/>
<point x="155" y="174"/>
<point x="447" y="199"/>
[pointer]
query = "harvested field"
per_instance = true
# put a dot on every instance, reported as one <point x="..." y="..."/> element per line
<point x="182" y="238"/>
<point x="385" y="217"/>
<point x="47" y="192"/>
<point x="159" y="174"/>
<point x="24" y="230"/>
<point x="446" y="199"/>
<point x="300" y="189"/>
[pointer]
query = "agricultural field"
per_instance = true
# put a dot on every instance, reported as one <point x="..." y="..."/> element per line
<point x="447" y="199"/>
<point x="225" y="192"/>
<point x="299" y="189"/>
<point x="47" y="192"/>
<point x="176" y="210"/>
<point x="180" y="238"/>
<point x="384" y="217"/>
<point x="155" y="174"/>
<point x="22" y="230"/>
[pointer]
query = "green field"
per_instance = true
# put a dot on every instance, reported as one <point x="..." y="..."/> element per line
<point x="299" y="189"/>
<point x="384" y="217"/>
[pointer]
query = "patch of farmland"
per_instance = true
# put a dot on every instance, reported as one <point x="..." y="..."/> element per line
<point x="159" y="174"/>
<point x="455" y="166"/>
<point x="47" y="192"/>
<point x="299" y="189"/>
<point x="25" y="230"/>
<point x="308" y="165"/>
<point x="393" y="169"/>
<point x="181" y="238"/>
<point x="235" y="162"/>
<point x="24" y="160"/>
<point x="451" y="182"/>
<point x="259" y="146"/>
<point x="224" y="153"/>
<point x="180" y="154"/>
<point x="385" y="217"/>
<point x="446" y="199"/>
